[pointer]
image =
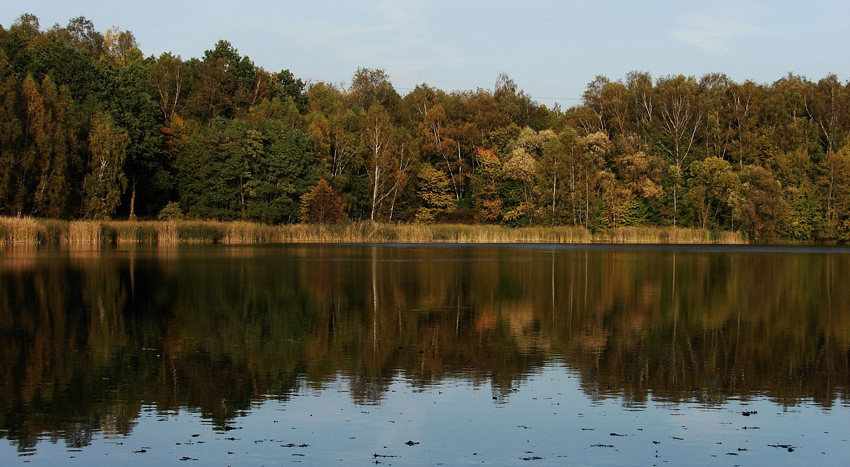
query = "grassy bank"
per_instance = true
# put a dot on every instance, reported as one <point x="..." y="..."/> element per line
<point x="32" y="231"/>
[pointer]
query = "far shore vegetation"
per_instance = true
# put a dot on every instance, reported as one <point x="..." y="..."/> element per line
<point x="92" y="130"/>
<point x="37" y="232"/>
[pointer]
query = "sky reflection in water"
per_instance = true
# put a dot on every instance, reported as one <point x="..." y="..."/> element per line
<point x="548" y="420"/>
<point x="322" y="354"/>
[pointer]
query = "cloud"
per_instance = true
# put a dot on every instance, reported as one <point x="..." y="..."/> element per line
<point x="716" y="29"/>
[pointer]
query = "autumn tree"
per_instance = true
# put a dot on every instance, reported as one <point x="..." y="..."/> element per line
<point x="168" y="75"/>
<point x="322" y="204"/>
<point x="435" y="192"/>
<point x="53" y="138"/>
<point x="225" y="84"/>
<point x="567" y="154"/>
<point x="786" y="123"/>
<point x="48" y="143"/>
<point x="370" y="87"/>
<point x="680" y="118"/>
<point x="10" y="132"/>
<point x="761" y="205"/>
<point x="793" y="170"/>
<point x="443" y="151"/>
<point x="552" y="175"/>
<point x="834" y="188"/>
<point x="121" y="45"/>
<point x="81" y="34"/>
<point x="591" y="170"/>
<point x="387" y="162"/>
<point x="717" y="129"/>
<point x="515" y="106"/>
<point x="520" y="168"/>
<point x="335" y="130"/>
<point x="606" y="107"/>
<point x="745" y="101"/>
<point x="485" y="186"/>
<point x="638" y="189"/>
<point x="642" y="102"/>
<point x="827" y="106"/>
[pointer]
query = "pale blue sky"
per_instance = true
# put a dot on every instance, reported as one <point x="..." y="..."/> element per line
<point x="551" y="49"/>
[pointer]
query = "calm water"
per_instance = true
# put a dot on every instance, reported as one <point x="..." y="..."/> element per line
<point x="403" y="355"/>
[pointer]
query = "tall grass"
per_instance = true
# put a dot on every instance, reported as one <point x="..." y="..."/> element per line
<point x="19" y="231"/>
<point x="31" y="231"/>
<point x="367" y="232"/>
<point x="671" y="235"/>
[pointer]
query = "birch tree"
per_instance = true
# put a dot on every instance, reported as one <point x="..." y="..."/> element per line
<point x="387" y="162"/>
<point x="680" y="118"/>
<point x="105" y="181"/>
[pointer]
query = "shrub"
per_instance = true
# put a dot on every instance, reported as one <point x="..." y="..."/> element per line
<point x="170" y="212"/>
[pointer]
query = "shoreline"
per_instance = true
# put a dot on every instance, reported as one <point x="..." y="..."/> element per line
<point x="37" y="232"/>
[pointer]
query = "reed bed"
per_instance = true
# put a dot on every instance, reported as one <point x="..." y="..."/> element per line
<point x="20" y="231"/>
<point x="32" y="231"/>
<point x="669" y="235"/>
<point x="367" y="232"/>
<point x="85" y="233"/>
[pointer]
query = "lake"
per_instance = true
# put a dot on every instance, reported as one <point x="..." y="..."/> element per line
<point x="425" y="354"/>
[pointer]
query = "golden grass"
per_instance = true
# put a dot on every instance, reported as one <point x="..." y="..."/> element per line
<point x="83" y="233"/>
<point x="32" y="231"/>
<point x="669" y="235"/>
<point x="19" y="231"/>
<point x="367" y="232"/>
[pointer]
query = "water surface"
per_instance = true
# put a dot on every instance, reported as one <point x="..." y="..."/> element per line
<point x="406" y="354"/>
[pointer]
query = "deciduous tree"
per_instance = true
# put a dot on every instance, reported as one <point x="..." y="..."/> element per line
<point x="322" y="204"/>
<point x="105" y="180"/>
<point x="712" y="186"/>
<point x="680" y="118"/>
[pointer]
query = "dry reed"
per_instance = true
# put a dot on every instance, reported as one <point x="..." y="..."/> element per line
<point x="31" y="231"/>
<point x="84" y="233"/>
<point x="669" y="235"/>
<point x="368" y="232"/>
<point x="19" y="231"/>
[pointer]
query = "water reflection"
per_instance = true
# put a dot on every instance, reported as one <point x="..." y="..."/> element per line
<point x="89" y="337"/>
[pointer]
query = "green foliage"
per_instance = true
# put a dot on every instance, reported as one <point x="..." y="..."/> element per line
<point x="711" y="186"/>
<point x="199" y="231"/>
<point x="105" y="180"/>
<point x="170" y="212"/>
<point x="133" y="107"/>
<point x="90" y="128"/>
<point x="233" y="171"/>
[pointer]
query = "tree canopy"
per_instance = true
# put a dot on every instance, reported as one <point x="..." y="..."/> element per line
<point x="90" y="127"/>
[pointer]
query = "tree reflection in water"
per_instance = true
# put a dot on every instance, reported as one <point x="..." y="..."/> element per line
<point x="90" y="337"/>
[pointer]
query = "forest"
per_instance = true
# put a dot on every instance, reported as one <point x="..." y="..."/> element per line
<point x="91" y="128"/>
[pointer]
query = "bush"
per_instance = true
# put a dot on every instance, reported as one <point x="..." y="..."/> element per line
<point x="170" y="212"/>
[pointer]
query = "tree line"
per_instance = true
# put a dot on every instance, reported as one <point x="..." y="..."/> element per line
<point x="91" y="128"/>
